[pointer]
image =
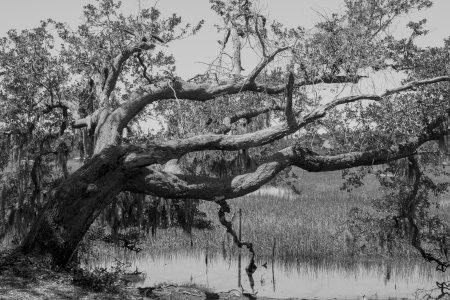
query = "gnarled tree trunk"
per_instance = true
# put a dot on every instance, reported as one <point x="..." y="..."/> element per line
<point x="75" y="203"/>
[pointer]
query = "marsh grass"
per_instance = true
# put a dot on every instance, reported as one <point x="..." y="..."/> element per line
<point x="309" y="225"/>
<point x="306" y="226"/>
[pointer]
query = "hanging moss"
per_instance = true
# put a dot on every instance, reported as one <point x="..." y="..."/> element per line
<point x="129" y="211"/>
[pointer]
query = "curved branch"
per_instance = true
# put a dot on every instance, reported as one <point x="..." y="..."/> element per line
<point x="154" y="181"/>
<point x="189" y="91"/>
<point x="264" y="62"/>
<point x="113" y="71"/>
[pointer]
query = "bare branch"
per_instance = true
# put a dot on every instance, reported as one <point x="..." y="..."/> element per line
<point x="265" y="61"/>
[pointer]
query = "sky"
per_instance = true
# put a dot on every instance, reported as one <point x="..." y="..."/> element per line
<point x="191" y="53"/>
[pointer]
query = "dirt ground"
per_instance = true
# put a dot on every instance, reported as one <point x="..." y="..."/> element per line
<point x="60" y="287"/>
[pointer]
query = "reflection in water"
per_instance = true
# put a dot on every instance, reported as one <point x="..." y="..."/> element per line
<point x="239" y="269"/>
<point x="285" y="279"/>
<point x="250" y="269"/>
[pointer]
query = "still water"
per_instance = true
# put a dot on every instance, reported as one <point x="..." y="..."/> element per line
<point x="322" y="280"/>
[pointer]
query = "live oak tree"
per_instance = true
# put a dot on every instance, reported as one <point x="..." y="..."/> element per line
<point x="111" y="73"/>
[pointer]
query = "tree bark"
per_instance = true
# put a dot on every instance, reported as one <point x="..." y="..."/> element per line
<point x="74" y="205"/>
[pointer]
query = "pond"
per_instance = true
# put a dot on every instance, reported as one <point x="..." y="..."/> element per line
<point x="309" y="279"/>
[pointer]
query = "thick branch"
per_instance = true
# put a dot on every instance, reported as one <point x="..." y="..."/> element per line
<point x="155" y="182"/>
<point x="113" y="71"/>
<point x="188" y="91"/>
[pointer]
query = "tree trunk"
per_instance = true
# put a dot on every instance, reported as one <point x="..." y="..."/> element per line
<point x="74" y="205"/>
<point x="79" y="199"/>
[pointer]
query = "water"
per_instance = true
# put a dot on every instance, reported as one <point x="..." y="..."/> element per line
<point x="322" y="280"/>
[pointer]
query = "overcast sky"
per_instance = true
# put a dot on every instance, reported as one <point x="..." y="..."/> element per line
<point x="21" y="14"/>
